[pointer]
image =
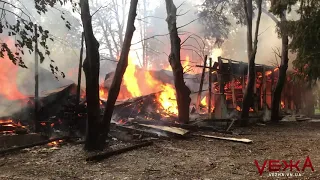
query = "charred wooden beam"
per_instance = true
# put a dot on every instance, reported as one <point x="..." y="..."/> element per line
<point x="201" y="83"/>
<point x="18" y="148"/>
<point x="108" y="154"/>
<point x="221" y="80"/>
<point x="264" y="88"/>
<point x="232" y="85"/>
<point x="210" y="87"/>
<point x="79" y="70"/>
<point x="131" y="129"/>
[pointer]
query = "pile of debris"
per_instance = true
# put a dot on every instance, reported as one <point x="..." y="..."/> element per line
<point x="9" y="126"/>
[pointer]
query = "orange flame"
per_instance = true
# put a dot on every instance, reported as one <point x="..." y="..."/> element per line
<point x="103" y="93"/>
<point x="8" y="78"/>
<point x="130" y="80"/>
<point x="282" y="105"/>
<point x="55" y="143"/>
<point x="167" y="99"/>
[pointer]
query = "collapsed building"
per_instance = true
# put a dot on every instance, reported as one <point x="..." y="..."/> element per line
<point x="227" y="86"/>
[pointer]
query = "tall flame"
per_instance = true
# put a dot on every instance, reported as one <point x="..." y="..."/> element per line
<point x="167" y="99"/>
<point x="204" y="101"/>
<point x="8" y="79"/>
<point x="103" y="93"/>
<point x="130" y="79"/>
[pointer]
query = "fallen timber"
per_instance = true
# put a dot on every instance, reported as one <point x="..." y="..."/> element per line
<point x="104" y="155"/>
<point x="142" y="132"/>
<point x="190" y="127"/>
<point x="241" y="140"/>
<point x="175" y="131"/>
<point x="18" y="148"/>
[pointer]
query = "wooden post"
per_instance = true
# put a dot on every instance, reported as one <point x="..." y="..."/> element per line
<point x="221" y="83"/>
<point x="36" y="79"/>
<point x="201" y="82"/>
<point x="210" y="87"/>
<point x="234" y="103"/>
<point x="264" y="87"/>
<point x="79" y="70"/>
<point x="243" y="77"/>
<point x="272" y="82"/>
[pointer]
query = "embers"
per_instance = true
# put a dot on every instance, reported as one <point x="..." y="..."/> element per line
<point x="9" y="126"/>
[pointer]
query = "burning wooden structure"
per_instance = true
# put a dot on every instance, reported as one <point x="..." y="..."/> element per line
<point x="227" y="85"/>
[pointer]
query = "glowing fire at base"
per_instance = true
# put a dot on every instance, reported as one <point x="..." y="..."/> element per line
<point x="103" y="93"/>
<point x="204" y="101"/>
<point x="55" y="143"/>
<point x="282" y="105"/>
<point x="167" y="99"/>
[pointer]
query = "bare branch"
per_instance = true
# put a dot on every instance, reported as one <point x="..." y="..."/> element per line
<point x="101" y="7"/>
<point x="187" y="23"/>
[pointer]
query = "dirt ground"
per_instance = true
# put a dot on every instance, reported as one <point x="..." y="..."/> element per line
<point x="193" y="158"/>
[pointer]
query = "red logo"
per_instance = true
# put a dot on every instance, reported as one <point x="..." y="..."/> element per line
<point x="283" y="165"/>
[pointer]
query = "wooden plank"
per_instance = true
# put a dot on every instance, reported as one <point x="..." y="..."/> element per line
<point x="201" y="83"/>
<point x="232" y="85"/>
<point x="241" y="140"/>
<point x="174" y="130"/>
<point x="17" y="148"/>
<point x="131" y="129"/>
<point x="264" y="88"/>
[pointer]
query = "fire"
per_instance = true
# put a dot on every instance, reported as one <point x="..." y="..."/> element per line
<point x="184" y="63"/>
<point x="103" y="93"/>
<point x="167" y="99"/>
<point x="268" y="73"/>
<point x="167" y="96"/>
<point x="204" y="101"/>
<point x="9" y="123"/>
<point x="130" y="79"/>
<point x="238" y="108"/>
<point x="55" y="143"/>
<point x="8" y="78"/>
<point x="282" y="105"/>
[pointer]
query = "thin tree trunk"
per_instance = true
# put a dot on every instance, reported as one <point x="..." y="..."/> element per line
<point x="282" y="70"/>
<point x="93" y="141"/>
<point x="105" y="33"/>
<point x="121" y="67"/>
<point x="182" y="91"/>
<point x="248" y="95"/>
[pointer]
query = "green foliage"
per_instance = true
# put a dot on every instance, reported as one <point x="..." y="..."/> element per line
<point x="217" y="17"/>
<point x="277" y="6"/>
<point x="22" y="27"/>
<point x="306" y="39"/>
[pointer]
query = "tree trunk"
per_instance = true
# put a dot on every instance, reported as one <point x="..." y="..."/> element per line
<point x="182" y="91"/>
<point x="93" y="141"/>
<point x="121" y="67"/>
<point x="282" y="70"/>
<point x="248" y="95"/>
